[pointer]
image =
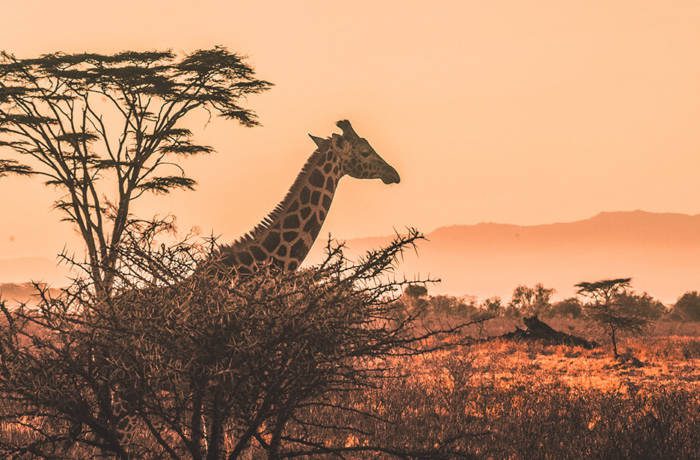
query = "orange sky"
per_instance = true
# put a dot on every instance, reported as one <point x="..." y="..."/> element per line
<point x="508" y="111"/>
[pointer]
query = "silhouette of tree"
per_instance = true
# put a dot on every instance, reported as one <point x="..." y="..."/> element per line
<point x="93" y="124"/>
<point x="642" y="305"/>
<point x="529" y="301"/>
<point x="570" y="307"/>
<point x="416" y="291"/>
<point x="687" y="307"/>
<point x="493" y="306"/>
<point x="188" y="360"/>
<point x="605" y="308"/>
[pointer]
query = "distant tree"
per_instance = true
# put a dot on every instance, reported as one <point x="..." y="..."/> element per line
<point x="416" y="290"/>
<point x="106" y="129"/>
<point x="570" y="307"/>
<point x="445" y="305"/>
<point x="604" y="309"/>
<point x="642" y="305"/>
<point x="493" y="306"/>
<point x="687" y="307"/>
<point x="527" y="301"/>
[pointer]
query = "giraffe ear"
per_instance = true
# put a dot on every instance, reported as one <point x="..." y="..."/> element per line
<point x="319" y="141"/>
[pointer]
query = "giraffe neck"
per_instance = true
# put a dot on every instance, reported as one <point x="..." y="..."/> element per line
<point x="286" y="235"/>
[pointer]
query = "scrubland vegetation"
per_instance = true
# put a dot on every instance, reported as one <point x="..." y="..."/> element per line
<point x="163" y="351"/>
<point x="331" y="361"/>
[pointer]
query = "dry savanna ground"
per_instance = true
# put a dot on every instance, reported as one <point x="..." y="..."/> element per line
<point x="669" y="355"/>
<point x="509" y="399"/>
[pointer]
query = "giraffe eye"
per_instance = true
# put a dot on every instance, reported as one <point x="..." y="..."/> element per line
<point x="365" y="154"/>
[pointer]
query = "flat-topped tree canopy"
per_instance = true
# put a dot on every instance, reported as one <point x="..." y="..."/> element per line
<point x="58" y="112"/>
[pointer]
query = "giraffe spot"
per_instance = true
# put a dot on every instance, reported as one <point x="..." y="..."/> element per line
<point x="304" y="196"/>
<point x="298" y="250"/>
<point x="291" y="221"/>
<point x="330" y="185"/>
<point x="305" y="211"/>
<point x="289" y="236"/>
<point x="316" y="178"/>
<point x="292" y="265"/>
<point x="326" y="201"/>
<point x="321" y="215"/>
<point x="327" y="168"/>
<point x="271" y="241"/>
<point x="245" y="257"/>
<point x="335" y="169"/>
<point x="329" y="155"/>
<point x="311" y="224"/>
<point x="258" y="253"/>
<point x="282" y="251"/>
<point x="315" y="197"/>
<point x="294" y="206"/>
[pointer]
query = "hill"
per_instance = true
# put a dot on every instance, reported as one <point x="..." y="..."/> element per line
<point x="660" y="251"/>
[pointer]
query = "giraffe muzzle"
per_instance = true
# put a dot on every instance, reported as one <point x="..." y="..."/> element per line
<point x="390" y="176"/>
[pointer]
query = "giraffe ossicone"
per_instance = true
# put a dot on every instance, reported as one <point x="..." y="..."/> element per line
<point x="286" y="235"/>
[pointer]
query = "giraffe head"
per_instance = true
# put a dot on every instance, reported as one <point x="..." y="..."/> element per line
<point x="359" y="160"/>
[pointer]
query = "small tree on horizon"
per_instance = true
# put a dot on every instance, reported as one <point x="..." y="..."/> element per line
<point x="416" y="291"/>
<point x="530" y="300"/>
<point x="605" y="309"/>
<point x="687" y="307"/>
<point x="106" y="129"/>
<point x="570" y="307"/>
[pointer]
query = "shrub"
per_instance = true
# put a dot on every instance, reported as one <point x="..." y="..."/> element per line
<point x="190" y="360"/>
<point x="688" y="306"/>
<point x="570" y="307"/>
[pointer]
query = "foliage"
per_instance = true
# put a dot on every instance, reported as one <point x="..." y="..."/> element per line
<point x="444" y="305"/>
<point x="642" y="305"/>
<point x="492" y="306"/>
<point x="78" y="120"/>
<point x="606" y="309"/>
<point x="570" y="307"/>
<point x="527" y="301"/>
<point x="416" y="291"/>
<point x="688" y="306"/>
<point x="188" y="359"/>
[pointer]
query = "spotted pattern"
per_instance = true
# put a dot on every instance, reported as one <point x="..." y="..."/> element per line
<point x="287" y="239"/>
<point x="287" y="234"/>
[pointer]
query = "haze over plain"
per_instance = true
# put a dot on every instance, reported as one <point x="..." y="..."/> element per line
<point x="491" y="111"/>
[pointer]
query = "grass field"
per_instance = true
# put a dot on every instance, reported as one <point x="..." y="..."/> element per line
<point x="502" y="399"/>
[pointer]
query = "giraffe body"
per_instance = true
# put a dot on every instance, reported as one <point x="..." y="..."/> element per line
<point x="286" y="235"/>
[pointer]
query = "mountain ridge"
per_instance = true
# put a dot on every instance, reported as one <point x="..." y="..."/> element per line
<point x="660" y="251"/>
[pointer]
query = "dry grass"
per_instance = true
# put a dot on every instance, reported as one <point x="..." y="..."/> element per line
<point x="502" y="399"/>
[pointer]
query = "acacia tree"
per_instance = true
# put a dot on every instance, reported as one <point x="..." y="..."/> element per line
<point x="606" y="307"/>
<point x="105" y="129"/>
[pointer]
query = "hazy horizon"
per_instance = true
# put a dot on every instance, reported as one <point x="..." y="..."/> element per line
<point x="496" y="111"/>
<point x="660" y="251"/>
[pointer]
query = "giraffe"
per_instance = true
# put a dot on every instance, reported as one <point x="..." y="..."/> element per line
<point x="286" y="235"/>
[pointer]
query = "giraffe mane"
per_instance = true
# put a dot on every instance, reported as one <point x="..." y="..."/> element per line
<point x="299" y="182"/>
